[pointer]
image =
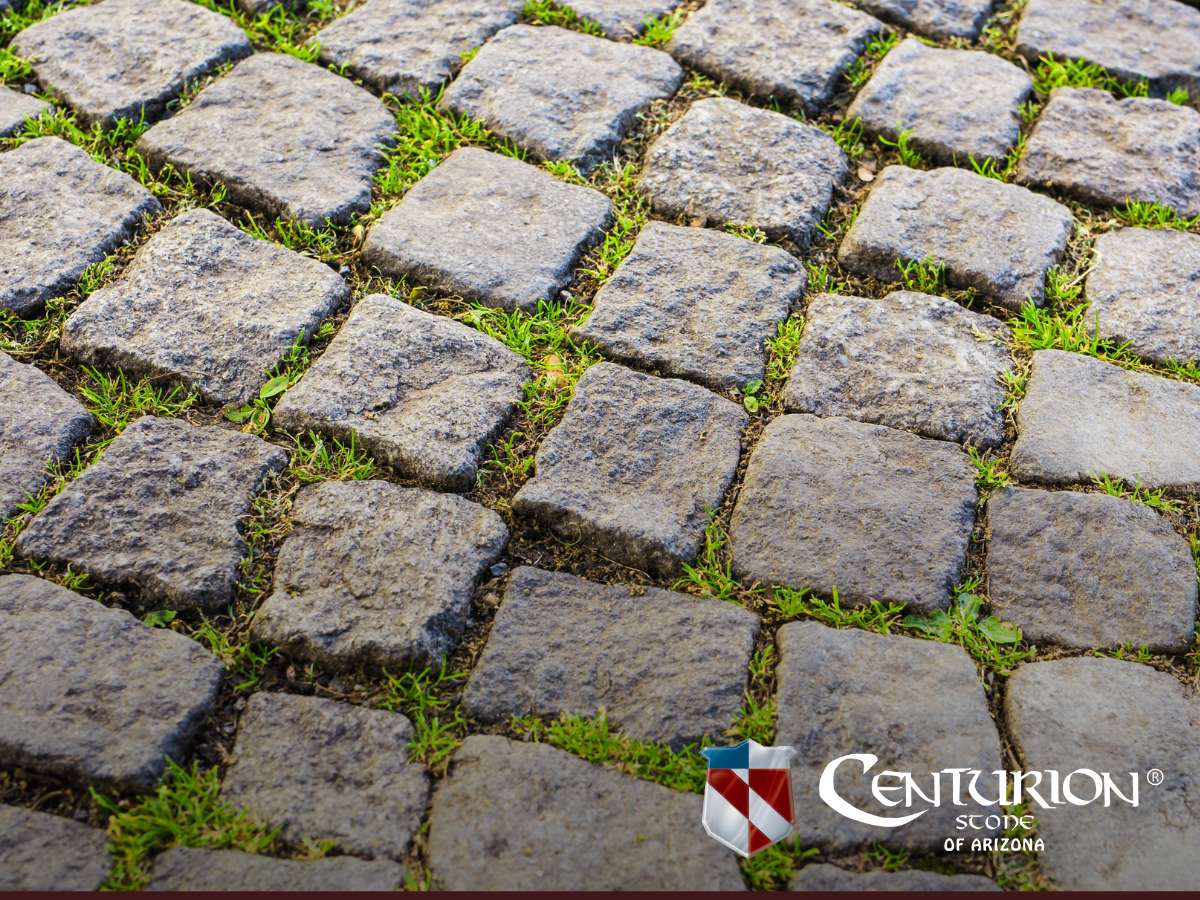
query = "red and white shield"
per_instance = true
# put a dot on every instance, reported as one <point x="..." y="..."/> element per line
<point x="748" y="796"/>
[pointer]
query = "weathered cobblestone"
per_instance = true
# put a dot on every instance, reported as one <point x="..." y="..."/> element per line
<point x="633" y="467"/>
<point x="508" y="234"/>
<point x="563" y="95"/>
<point x="696" y="304"/>
<point x="910" y="361"/>
<point x="824" y="877"/>
<point x="725" y="162"/>
<point x="90" y="692"/>
<point x="61" y="211"/>
<point x="1120" y="717"/>
<point x="622" y="18"/>
<point x="40" y="852"/>
<point x="876" y="513"/>
<point x="16" y="107"/>
<point x="206" y="305"/>
<point x="507" y="818"/>
<point x="1097" y="149"/>
<point x="936" y="18"/>
<point x="377" y="574"/>
<point x="666" y="667"/>
<point x="160" y="510"/>
<point x="195" y="869"/>
<point x="287" y="138"/>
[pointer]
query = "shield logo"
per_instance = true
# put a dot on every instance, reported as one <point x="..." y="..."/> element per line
<point x="748" y="796"/>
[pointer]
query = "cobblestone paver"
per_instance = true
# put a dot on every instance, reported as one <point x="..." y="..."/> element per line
<point x="40" y="852"/>
<point x="16" y="107"/>
<point x="194" y="869"/>
<point x="936" y="18"/>
<point x="824" y="877"/>
<point x="622" y="18"/>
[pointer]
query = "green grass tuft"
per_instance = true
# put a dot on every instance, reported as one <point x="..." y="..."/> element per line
<point x="772" y="869"/>
<point x="546" y="12"/>
<point x="784" y="348"/>
<point x="422" y="695"/>
<point x="804" y="604"/>
<point x="909" y="155"/>
<point x="849" y="136"/>
<point x="1146" y="214"/>
<point x="1054" y="73"/>
<point x="990" y="471"/>
<point x="994" y="644"/>
<point x="116" y="401"/>
<point x="316" y="458"/>
<point x="925" y="275"/>
<point x="658" y="31"/>
<point x="1155" y="499"/>
<point x="859" y="71"/>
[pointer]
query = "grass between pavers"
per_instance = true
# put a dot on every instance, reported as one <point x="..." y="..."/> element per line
<point x="546" y="12"/>
<point x="859" y="72"/>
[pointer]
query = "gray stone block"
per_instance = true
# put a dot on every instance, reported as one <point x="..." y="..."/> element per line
<point x="40" y="852"/>
<point x="16" y="107"/>
<point x="937" y="18"/>
<point x="622" y="18"/>
<point x="195" y="869"/>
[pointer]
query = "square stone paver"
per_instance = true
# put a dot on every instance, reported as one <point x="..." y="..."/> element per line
<point x="40" y="852"/>
<point x="878" y="514"/>
<point x="127" y="58"/>
<point x="1144" y="288"/>
<point x="287" y="138"/>
<point x="634" y="466"/>
<point x="562" y="95"/>
<point x="666" y="667"/>
<point x="910" y="361"/>
<point x="825" y="877"/>
<point x="936" y="18"/>
<point x="506" y="818"/>
<point x="422" y="393"/>
<point x="1097" y="149"/>
<point x="60" y="211"/>
<point x="376" y="574"/>
<point x="792" y="50"/>
<point x="406" y="46"/>
<point x="695" y="303"/>
<point x="321" y="770"/>
<point x="955" y="104"/>
<point x="161" y="510"/>
<point x="89" y="692"/>
<point x="491" y="228"/>
<point x="725" y="162"/>
<point x="16" y="107"/>
<point x="623" y="18"/>
<point x="1082" y="418"/>
<point x="197" y="869"/>
<point x="1149" y="721"/>
<point x="1089" y="571"/>
<point x="39" y="423"/>
<point x="917" y="705"/>
<point x="1156" y="40"/>
<point x="206" y="305"/>
<point x="999" y="239"/>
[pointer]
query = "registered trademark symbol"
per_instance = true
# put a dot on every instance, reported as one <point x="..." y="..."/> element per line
<point x="1154" y="776"/>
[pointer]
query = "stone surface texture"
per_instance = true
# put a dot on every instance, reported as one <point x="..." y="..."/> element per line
<point x="910" y="361"/>
<point x="90" y="692"/>
<point x="60" y="211"/>
<point x="195" y="869"/>
<point x="999" y="239"/>
<point x="1089" y="571"/>
<point x="16" y="107"/>
<point x="878" y="514"/>
<point x="633" y="467"/>
<point x="728" y="163"/>
<point x="321" y="770"/>
<point x="562" y="95"/>
<point x="489" y="228"/>
<point x="40" y="852"/>
<point x="622" y="18"/>
<point x="1082" y="418"/>
<point x="1120" y="717"/>
<point x="695" y="304"/>
<point x="287" y="138"/>
<point x="206" y="305"/>
<point x="507" y="819"/>
<point x="665" y="667"/>
<point x="377" y="574"/>
<point x="935" y="18"/>
<point x="161" y="511"/>
<point x="128" y="58"/>
<point x="825" y="877"/>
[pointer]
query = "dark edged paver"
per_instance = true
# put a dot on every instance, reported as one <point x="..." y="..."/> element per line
<point x="206" y="305"/>
<point x="491" y="228"/>
<point x="422" y="393"/>
<point x="60" y="211"/>
<point x="196" y="869"/>
<point x="1144" y="288"/>
<point x="792" y="50"/>
<point x="507" y="817"/>
<point x="403" y="47"/>
<point x="910" y="361"/>
<point x="725" y="162"/>
<point x="997" y="238"/>
<point x="562" y="95"/>
<point x="825" y="877"/>
<point x="695" y="303"/>
<point x="1089" y="570"/>
<point x="622" y="18"/>
<point x="1095" y="148"/>
<point x="634" y="466"/>
<point x="954" y="104"/>
<point x="936" y="18"/>
<point x="876" y="513"/>
<point x="665" y="667"/>
<point x="377" y="574"/>
<point x="128" y="58"/>
<point x="40" y="852"/>
<point x="916" y="705"/>
<point x="1082" y="418"/>
<point x="40" y="423"/>
<point x="161" y="510"/>
<point x="90" y="692"/>
<point x="1125" y="719"/>
<point x="17" y="106"/>
<point x="287" y="138"/>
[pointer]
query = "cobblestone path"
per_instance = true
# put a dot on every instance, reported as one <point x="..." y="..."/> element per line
<point x="424" y="424"/>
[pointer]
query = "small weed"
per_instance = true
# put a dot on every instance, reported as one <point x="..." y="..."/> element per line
<point x="712" y="575"/>
<point x="990" y="473"/>
<point x="277" y="30"/>
<point x="849" y="136"/>
<point x="772" y="869"/>
<point x="822" y="281"/>
<point x="784" y="348"/>
<point x="877" y="48"/>
<point x="1014" y="383"/>
<point x="658" y="31"/>
<point x="1044" y="329"/>
<point x="159" y="618"/>
<point x="12" y="67"/>
<point x="1155" y="499"/>
<point x="909" y="155"/>
<point x="25" y="14"/>
<point x="316" y="458"/>
<point x="1054" y="73"/>
<point x="991" y="642"/>
<point x="545" y="12"/>
<point x="467" y="55"/>
<point x="1004" y="170"/>
<point x="746" y="232"/>
<point x="887" y="859"/>
<point x="319" y="243"/>
<point x="115" y="401"/>
<point x="804" y="604"/>
<point x="1179" y="96"/>
<point x="753" y="397"/>
<point x="1028" y="111"/>
<point x="1145" y="214"/>
<point x="255" y="416"/>
<point x="247" y="660"/>
<point x="925" y="275"/>
<point x="422" y="697"/>
<point x="630" y="212"/>
<point x="1129" y="652"/>
<point x="757" y="719"/>
<point x="834" y="224"/>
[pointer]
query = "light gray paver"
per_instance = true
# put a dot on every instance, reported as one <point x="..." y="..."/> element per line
<point x="825" y="877"/>
<point x="16" y="107"/>
<point x="40" y="852"/>
<point x="936" y="18"/>
<point x="196" y="869"/>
